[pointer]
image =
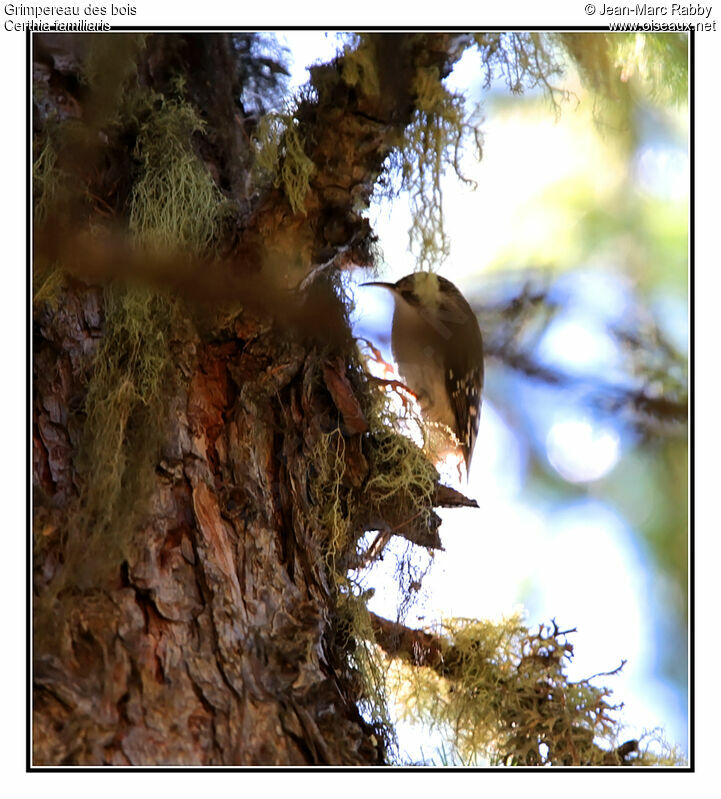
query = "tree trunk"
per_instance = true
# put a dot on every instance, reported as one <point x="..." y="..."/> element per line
<point x="214" y="643"/>
<point x="189" y="595"/>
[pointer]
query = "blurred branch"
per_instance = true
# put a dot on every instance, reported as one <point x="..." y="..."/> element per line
<point x="653" y="391"/>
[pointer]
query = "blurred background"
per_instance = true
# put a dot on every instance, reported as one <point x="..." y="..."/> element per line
<point x="573" y="249"/>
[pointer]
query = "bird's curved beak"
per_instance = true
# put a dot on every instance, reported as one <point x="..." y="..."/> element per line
<point x="389" y="286"/>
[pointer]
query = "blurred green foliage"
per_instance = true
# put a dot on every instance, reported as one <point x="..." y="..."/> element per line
<point x="621" y="210"/>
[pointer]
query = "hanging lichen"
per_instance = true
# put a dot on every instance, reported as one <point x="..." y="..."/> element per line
<point x="176" y="207"/>
<point x="281" y="157"/>
<point x="123" y="428"/>
<point x="401" y="468"/>
<point x="433" y="141"/>
<point x="358" y="66"/>
<point x="333" y="500"/>
<point x="498" y="694"/>
<point x="399" y="474"/>
<point x="445" y="129"/>
<point x="334" y="509"/>
<point x="49" y="187"/>
<point x="367" y="659"/>
<point x="522" y="61"/>
<point x="46" y="181"/>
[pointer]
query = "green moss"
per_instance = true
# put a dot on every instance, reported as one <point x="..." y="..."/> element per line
<point x="654" y="750"/>
<point x="266" y="141"/>
<point x="48" y="284"/>
<point x="334" y="506"/>
<point x="66" y="146"/>
<point x="398" y="472"/>
<point x="522" y="61"/>
<point x="47" y="181"/>
<point x="176" y="206"/>
<point x="48" y="188"/>
<point x="398" y="466"/>
<point x="366" y="659"/>
<point x="442" y="128"/>
<point x="123" y="429"/>
<point x="334" y="502"/>
<point x="358" y="67"/>
<point x="401" y="468"/>
<point x="501" y="695"/>
<point x="432" y="142"/>
<point x="281" y="157"/>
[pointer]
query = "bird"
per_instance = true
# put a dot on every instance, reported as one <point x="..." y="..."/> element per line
<point x="438" y="347"/>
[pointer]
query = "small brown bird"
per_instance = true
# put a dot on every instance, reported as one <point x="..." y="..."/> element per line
<point x="438" y="347"/>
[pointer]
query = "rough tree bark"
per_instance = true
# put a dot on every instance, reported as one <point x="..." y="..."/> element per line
<point x="215" y="637"/>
